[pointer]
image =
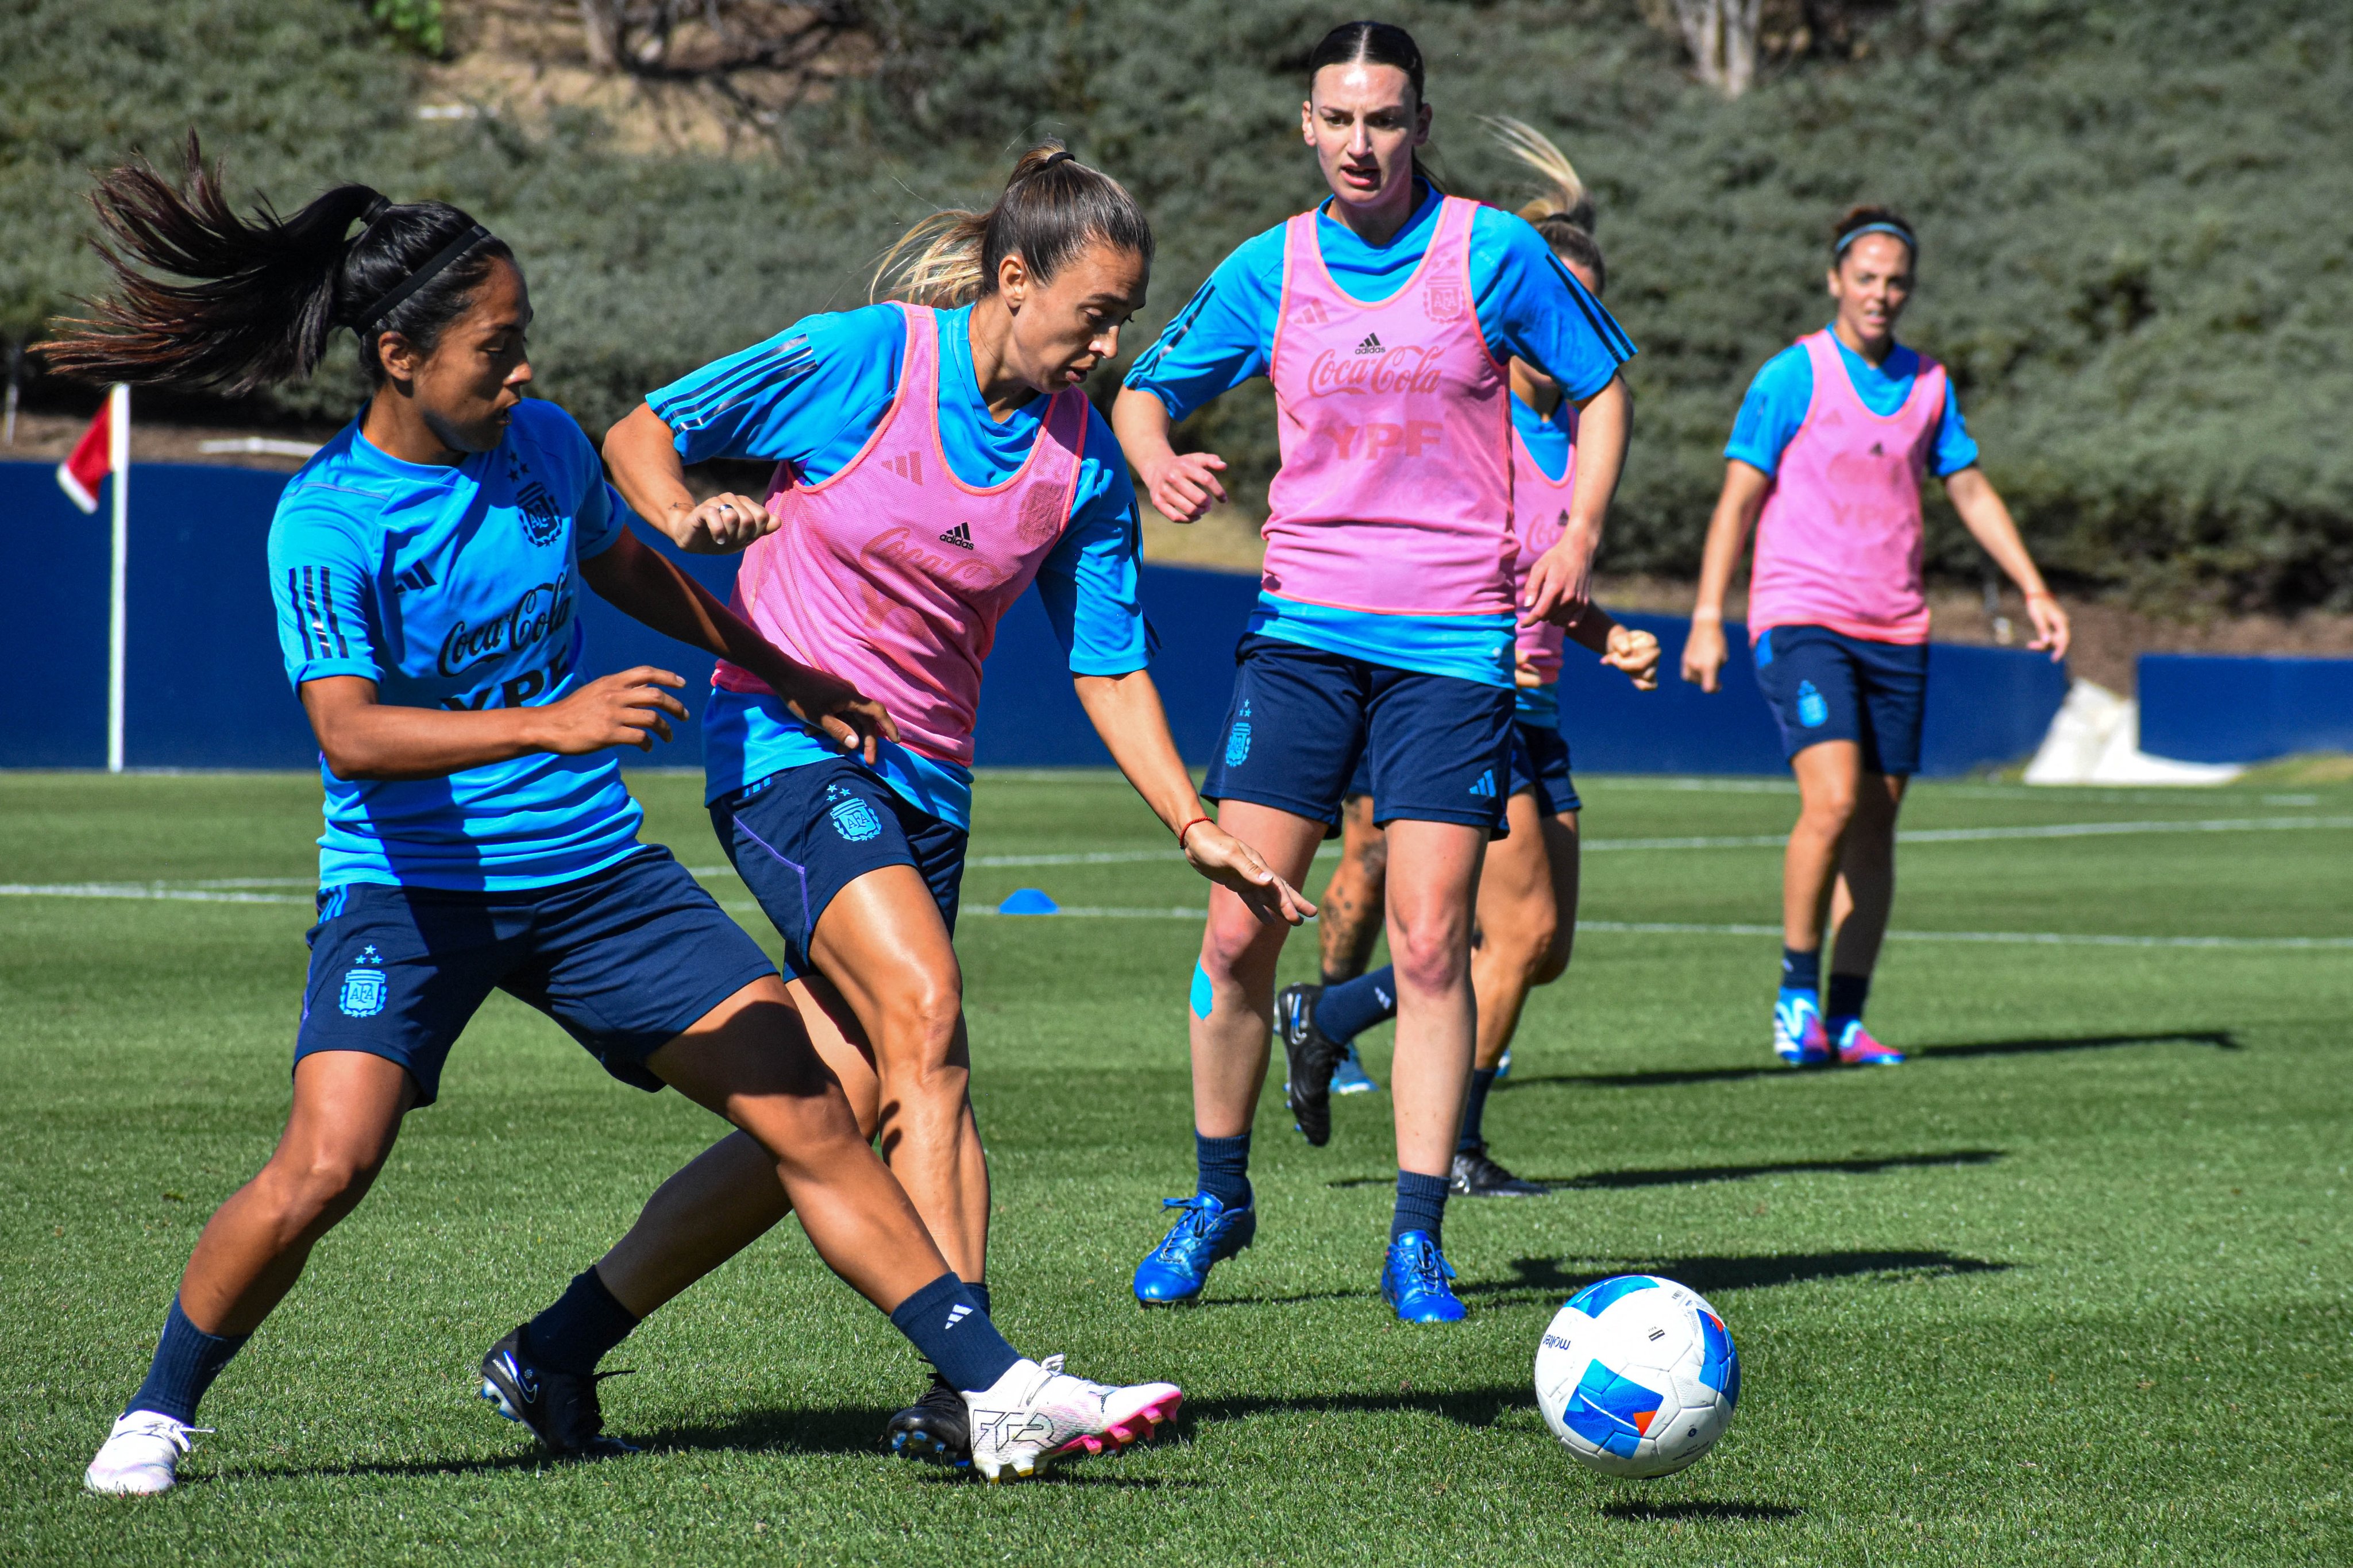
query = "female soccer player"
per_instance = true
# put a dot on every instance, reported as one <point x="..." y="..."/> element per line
<point x="1825" y="462"/>
<point x="933" y="459"/>
<point x="426" y="568"/>
<point x="1527" y="889"/>
<point x="1385" y="319"/>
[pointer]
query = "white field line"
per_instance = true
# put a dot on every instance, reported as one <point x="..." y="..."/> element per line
<point x="144" y="891"/>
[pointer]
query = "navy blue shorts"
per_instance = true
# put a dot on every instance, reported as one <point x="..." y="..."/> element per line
<point x="1435" y="748"/>
<point x="799" y="836"/>
<point x="627" y="960"/>
<point x="1540" y="766"/>
<point x="1826" y="686"/>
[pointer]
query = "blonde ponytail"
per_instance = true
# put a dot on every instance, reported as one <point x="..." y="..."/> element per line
<point x="1052" y="208"/>
<point x="1562" y="211"/>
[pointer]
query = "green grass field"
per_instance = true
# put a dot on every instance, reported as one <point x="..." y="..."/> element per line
<point x="2069" y="1289"/>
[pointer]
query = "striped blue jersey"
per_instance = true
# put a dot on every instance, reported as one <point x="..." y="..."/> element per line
<point x="455" y="588"/>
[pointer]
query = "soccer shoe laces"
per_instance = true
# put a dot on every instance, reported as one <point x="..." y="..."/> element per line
<point x="1428" y="1265"/>
<point x="1190" y="1236"/>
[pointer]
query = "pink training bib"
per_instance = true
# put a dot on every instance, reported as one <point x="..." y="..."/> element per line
<point x="1540" y="516"/>
<point x="1838" y="543"/>
<point x="892" y="573"/>
<point x="1395" y="493"/>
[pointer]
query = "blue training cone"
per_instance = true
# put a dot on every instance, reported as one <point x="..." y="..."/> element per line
<point x="1028" y="901"/>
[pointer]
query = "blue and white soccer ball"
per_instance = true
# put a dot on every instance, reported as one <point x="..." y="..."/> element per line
<point x="1637" y="1375"/>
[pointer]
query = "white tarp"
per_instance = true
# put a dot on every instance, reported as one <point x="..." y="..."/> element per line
<point x="2094" y="738"/>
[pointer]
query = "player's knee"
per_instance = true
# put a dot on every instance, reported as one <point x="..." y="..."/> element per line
<point x="919" y="1016"/>
<point x="1434" y="957"/>
<point x="1238" y="948"/>
<point x="1552" y="962"/>
<point x="1828" y="809"/>
<point x="317" y="1187"/>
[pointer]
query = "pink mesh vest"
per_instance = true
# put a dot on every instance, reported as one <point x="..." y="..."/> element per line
<point x="1540" y="516"/>
<point x="892" y="573"/>
<point x="1395" y="493"/>
<point x="1838" y="543"/>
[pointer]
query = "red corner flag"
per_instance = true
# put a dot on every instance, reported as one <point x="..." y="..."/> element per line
<point x="92" y="460"/>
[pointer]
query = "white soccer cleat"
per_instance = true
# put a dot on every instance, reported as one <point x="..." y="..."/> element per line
<point x="141" y="1455"/>
<point x="1037" y="1413"/>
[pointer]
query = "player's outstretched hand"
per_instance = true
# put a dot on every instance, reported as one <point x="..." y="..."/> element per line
<point x="623" y="709"/>
<point x="1187" y="485"/>
<point x="2051" y="627"/>
<point x="852" y="721"/>
<point x="1636" y="653"/>
<point x="1560" y="584"/>
<point x="1703" y="654"/>
<point x="723" y="524"/>
<point x="1230" y="863"/>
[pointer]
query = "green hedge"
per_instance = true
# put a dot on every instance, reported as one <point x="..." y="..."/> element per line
<point x="2135" y="216"/>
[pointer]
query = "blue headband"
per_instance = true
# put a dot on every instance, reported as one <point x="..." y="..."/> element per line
<point x="1897" y="229"/>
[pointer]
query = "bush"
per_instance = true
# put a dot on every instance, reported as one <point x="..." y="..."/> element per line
<point x="2136" y="254"/>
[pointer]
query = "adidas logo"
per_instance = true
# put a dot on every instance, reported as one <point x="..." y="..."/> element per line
<point x="417" y="576"/>
<point x="1876" y="451"/>
<point x="1371" y="345"/>
<point x="1311" y="314"/>
<point x="957" y="1314"/>
<point x="960" y="536"/>
<point x="909" y="467"/>
<point x="1485" y="786"/>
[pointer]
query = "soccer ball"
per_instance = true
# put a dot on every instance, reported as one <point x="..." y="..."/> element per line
<point x="1637" y="1376"/>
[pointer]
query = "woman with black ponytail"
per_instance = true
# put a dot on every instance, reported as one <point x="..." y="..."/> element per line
<point x="1386" y="318"/>
<point x="426" y="567"/>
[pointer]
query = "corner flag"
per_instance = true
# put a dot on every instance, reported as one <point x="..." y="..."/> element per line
<point x="93" y="456"/>
<point x="105" y="449"/>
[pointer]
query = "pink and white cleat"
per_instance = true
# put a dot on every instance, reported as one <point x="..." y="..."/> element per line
<point x="1856" y="1048"/>
<point x="1037" y="1415"/>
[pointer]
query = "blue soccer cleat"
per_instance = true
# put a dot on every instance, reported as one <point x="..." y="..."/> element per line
<point x="1799" y="1037"/>
<point x="1856" y="1048"/>
<point x="1350" y="1077"/>
<point x="1414" y="1281"/>
<point x="1503" y="1065"/>
<point x="1206" y="1234"/>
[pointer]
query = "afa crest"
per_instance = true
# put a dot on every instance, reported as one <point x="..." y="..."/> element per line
<point x="1238" y="743"/>
<point x="364" y="987"/>
<point x="1443" y="300"/>
<point x="854" y="819"/>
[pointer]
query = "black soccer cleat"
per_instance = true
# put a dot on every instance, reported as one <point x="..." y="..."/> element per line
<point x="1477" y="1176"/>
<point x="560" y="1407"/>
<point x="1311" y="1054"/>
<point x="936" y="1428"/>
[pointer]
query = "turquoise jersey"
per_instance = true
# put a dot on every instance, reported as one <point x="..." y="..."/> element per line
<point x="455" y="588"/>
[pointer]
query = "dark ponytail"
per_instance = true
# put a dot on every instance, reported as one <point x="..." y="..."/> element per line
<point x="1380" y="44"/>
<point x="1052" y="208"/>
<point x="265" y="292"/>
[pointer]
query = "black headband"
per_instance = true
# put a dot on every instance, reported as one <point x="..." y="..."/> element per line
<point x="422" y="276"/>
<point x="1052" y="159"/>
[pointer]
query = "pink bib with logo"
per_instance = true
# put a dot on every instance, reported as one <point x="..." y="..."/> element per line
<point x="1838" y="543"/>
<point x="892" y="573"/>
<point x="1395" y="493"/>
<point x="1540" y="516"/>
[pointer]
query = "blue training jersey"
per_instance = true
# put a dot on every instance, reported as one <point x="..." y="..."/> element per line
<point x="1528" y="305"/>
<point x="456" y="588"/>
<point x="1784" y="389"/>
<point x="811" y="396"/>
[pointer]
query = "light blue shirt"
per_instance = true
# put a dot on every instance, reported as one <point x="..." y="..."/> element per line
<point x="1784" y="389"/>
<point x="811" y="396"/>
<point x="1528" y="305"/>
<point x="456" y="588"/>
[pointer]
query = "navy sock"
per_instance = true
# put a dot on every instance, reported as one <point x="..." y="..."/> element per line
<point x="1225" y="1168"/>
<point x="1421" y="1204"/>
<point x="1346" y="1011"/>
<point x="1848" y="994"/>
<point x="187" y="1361"/>
<point x="952" y="1332"/>
<point x="980" y="1294"/>
<point x="1801" y="970"/>
<point x="1475" y="1107"/>
<point x="585" y="1322"/>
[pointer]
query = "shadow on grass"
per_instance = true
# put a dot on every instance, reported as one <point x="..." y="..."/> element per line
<point x="529" y="1460"/>
<point x="1545" y="1278"/>
<point x="1672" y="1077"/>
<point x="1677" y="1512"/>
<point x="2221" y="1039"/>
<point x="1859" y="1166"/>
